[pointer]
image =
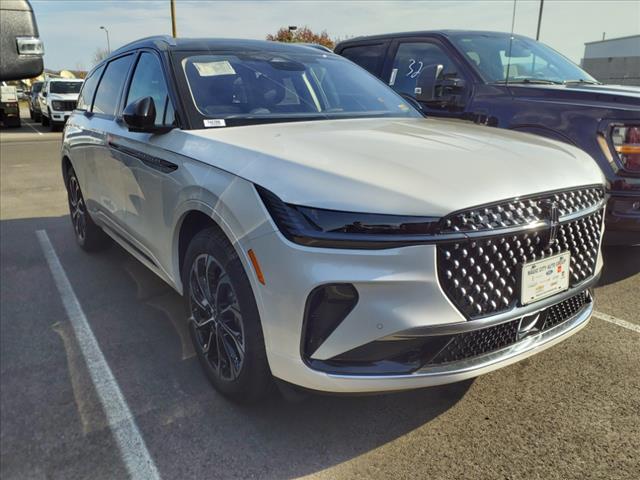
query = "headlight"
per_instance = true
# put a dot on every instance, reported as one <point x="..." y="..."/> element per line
<point x="56" y="105"/>
<point x="626" y="143"/>
<point x="337" y="229"/>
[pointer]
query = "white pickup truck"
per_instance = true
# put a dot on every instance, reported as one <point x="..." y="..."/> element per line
<point x="58" y="99"/>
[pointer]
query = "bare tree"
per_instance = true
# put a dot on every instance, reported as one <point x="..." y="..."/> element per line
<point x="99" y="55"/>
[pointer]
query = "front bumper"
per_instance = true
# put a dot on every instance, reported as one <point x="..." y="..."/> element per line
<point x="398" y="292"/>
<point x="59" y="116"/>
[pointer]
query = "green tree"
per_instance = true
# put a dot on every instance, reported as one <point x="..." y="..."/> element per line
<point x="302" y="35"/>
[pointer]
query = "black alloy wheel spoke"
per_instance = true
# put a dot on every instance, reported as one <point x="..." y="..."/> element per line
<point x="216" y="316"/>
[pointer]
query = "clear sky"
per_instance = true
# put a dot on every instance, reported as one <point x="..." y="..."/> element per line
<point x="71" y="28"/>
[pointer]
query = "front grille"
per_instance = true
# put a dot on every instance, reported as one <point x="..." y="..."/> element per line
<point x="559" y="312"/>
<point x="522" y="211"/>
<point x="65" y="105"/>
<point x="487" y="340"/>
<point x="481" y="276"/>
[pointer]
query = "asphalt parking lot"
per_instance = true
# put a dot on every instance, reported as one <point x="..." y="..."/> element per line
<point x="569" y="412"/>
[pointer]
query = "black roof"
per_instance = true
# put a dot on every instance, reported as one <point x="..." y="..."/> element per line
<point x="168" y="43"/>
<point x="420" y="33"/>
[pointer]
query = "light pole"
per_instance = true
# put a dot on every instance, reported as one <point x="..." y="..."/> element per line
<point x="539" y="19"/>
<point x="174" y="32"/>
<point x="108" y="43"/>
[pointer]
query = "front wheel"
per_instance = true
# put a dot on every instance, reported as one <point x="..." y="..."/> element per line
<point x="45" y="120"/>
<point x="88" y="235"/>
<point x="223" y="318"/>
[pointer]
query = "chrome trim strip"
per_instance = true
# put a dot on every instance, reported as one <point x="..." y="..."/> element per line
<point x="490" y="359"/>
<point x="584" y="213"/>
<point x="479" y="324"/>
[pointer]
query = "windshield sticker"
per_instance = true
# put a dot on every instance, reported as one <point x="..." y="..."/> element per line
<point x="214" y="122"/>
<point x="213" y="69"/>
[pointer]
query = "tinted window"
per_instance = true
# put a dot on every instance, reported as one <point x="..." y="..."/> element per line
<point x="148" y="81"/>
<point x="106" y="100"/>
<point x="36" y="87"/>
<point x="65" y="87"/>
<point x="89" y="88"/>
<point x="409" y="61"/>
<point x="368" y="57"/>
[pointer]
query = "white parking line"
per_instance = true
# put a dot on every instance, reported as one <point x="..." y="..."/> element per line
<point x="616" y="321"/>
<point x="132" y="447"/>
<point x="34" y="128"/>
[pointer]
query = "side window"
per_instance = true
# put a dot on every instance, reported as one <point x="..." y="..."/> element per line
<point x="89" y="89"/>
<point x="409" y="61"/>
<point x="110" y="86"/>
<point x="148" y="81"/>
<point x="369" y="57"/>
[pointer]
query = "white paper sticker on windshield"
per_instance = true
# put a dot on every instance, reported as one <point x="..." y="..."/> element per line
<point x="212" y="69"/>
<point x="214" y="122"/>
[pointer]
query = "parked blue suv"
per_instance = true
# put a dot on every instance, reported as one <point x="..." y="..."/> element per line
<point x="517" y="83"/>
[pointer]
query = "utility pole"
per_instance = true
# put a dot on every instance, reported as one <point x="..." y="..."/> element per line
<point x="539" y="20"/>
<point x="173" y="19"/>
<point x="108" y="43"/>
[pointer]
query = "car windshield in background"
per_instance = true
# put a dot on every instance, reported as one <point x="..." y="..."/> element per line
<point x="526" y="61"/>
<point x="36" y="87"/>
<point x="65" y="87"/>
<point x="254" y="87"/>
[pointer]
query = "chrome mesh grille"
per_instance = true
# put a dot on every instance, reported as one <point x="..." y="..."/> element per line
<point x="559" y="312"/>
<point x="481" y="276"/>
<point x="487" y="340"/>
<point x="522" y="211"/>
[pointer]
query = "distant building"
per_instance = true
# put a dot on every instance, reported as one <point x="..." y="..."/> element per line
<point x="615" y="60"/>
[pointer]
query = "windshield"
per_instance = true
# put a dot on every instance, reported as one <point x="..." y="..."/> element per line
<point x="525" y="60"/>
<point x="65" y="87"/>
<point x="36" y="87"/>
<point x="255" y="87"/>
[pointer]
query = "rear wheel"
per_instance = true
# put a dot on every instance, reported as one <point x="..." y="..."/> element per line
<point x="223" y="318"/>
<point x="89" y="236"/>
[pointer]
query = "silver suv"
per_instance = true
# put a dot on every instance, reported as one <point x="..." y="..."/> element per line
<point x="322" y="231"/>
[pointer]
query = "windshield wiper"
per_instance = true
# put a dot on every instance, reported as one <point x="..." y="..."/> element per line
<point x="534" y="81"/>
<point x="582" y="81"/>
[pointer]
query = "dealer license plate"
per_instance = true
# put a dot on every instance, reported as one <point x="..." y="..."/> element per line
<point x="543" y="278"/>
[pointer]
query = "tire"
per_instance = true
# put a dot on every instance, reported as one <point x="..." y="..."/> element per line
<point x="45" y="120"/>
<point x="32" y="114"/>
<point x="223" y="319"/>
<point x="37" y="117"/>
<point x="89" y="236"/>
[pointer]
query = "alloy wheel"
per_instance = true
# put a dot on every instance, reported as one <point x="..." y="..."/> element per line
<point x="216" y="317"/>
<point x="77" y="208"/>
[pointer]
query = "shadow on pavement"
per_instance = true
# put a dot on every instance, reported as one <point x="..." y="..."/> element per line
<point x="190" y="430"/>
<point x="619" y="263"/>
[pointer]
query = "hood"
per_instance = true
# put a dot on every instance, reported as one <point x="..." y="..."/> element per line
<point x="599" y="96"/>
<point x="63" y="96"/>
<point x="411" y="166"/>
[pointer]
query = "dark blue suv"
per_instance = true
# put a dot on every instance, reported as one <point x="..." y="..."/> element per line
<point x="517" y="83"/>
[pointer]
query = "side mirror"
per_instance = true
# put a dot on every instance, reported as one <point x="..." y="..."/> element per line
<point x="44" y="94"/>
<point x="438" y="90"/>
<point x="140" y="116"/>
<point x="426" y="83"/>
